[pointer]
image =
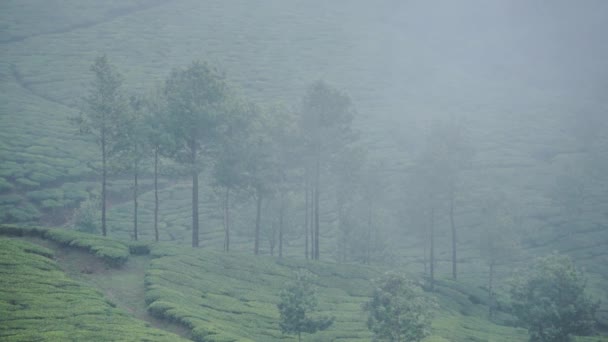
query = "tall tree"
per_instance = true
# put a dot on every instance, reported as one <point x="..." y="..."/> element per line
<point x="267" y="159"/>
<point x="447" y="153"/>
<point x="326" y="120"/>
<point x="498" y="238"/>
<point x="102" y="117"/>
<point x="195" y="101"/>
<point x="229" y="170"/>
<point x="158" y="138"/>
<point x="134" y="149"/>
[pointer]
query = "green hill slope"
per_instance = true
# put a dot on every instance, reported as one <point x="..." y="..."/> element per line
<point x="39" y="303"/>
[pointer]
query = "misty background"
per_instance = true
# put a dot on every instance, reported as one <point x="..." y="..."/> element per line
<point x="525" y="82"/>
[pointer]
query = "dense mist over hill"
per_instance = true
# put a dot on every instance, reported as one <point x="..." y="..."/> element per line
<point x="454" y="141"/>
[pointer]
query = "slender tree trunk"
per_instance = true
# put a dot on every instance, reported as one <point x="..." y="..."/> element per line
<point x="103" y="181"/>
<point x="194" y="196"/>
<point x="258" y="216"/>
<point x="317" y="197"/>
<point x="432" y="256"/>
<point x="491" y="290"/>
<point x="227" y="220"/>
<point x="299" y="336"/>
<point x="156" y="194"/>
<point x="453" y="226"/>
<point x="368" y="254"/>
<point x="306" y="230"/>
<point x="312" y="220"/>
<point x="281" y="222"/>
<point x="135" y="202"/>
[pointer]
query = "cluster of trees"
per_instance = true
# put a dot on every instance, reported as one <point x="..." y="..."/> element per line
<point x="196" y="120"/>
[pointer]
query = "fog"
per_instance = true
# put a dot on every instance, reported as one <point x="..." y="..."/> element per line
<point x="449" y="140"/>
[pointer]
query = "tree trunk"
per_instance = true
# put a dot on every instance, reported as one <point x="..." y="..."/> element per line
<point x="432" y="256"/>
<point x="194" y="196"/>
<point x="312" y="220"/>
<point x="368" y="254"/>
<point x="317" y="197"/>
<point x="103" y="181"/>
<point x="306" y="230"/>
<point x="491" y="290"/>
<point x="156" y="194"/>
<point x="281" y="222"/>
<point x="453" y="226"/>
<point x="258" y="216"/>
<point x="135" y="203"/>
<point x="227" y="220"/>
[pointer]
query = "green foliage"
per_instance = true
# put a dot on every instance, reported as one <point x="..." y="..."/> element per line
<point x="38" y="302"/>
<point x="297" y="301"/>
<point x="86" y="217"/>
<point x="195" y="99"/>
<point x="550" y="300"/>
<point x="399" y="310"/>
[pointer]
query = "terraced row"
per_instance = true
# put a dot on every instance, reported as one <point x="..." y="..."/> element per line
<point x="38" y="302"/>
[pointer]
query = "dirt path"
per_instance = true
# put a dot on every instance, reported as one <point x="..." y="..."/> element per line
<point x="122" y="286"/>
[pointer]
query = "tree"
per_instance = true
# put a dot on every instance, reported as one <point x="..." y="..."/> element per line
<point x="133" y="149"/>
<point x="498" y="239"/>
<point x="297" y="301"/>
<point x="158" y="139"/>
<point x="326" y="120"/>
<point x="399" y="310"/>
<point x="229" y="170"/>
<point x="452" y="154"/>
<point x="550" y="300"/>
<point x="102" y="117"/>
<point x="195" y="100"/>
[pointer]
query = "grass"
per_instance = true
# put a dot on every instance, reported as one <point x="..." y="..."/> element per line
<point x="39" y="302"/>
<point x="233" y="297"/>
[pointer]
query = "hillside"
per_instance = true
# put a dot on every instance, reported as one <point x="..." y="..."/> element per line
<point x="527" y="82"/>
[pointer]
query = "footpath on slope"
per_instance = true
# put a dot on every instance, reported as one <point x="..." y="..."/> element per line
<point x="123" y="286"/>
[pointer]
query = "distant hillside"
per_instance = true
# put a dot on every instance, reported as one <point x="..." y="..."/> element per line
<point x="520" y="84"/>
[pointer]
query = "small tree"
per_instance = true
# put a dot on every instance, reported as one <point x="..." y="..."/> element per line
<point x="550" y="301"/>
<point x="86" y="217"/>
<point x="399" y="310"/>
<point x="298" y="299"/>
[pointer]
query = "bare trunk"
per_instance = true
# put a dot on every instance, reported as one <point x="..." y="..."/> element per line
<point x="103" y="181"/>
<point x="227" y="220"/>
<point x="368" y="253"/>
<point x="317" y="197"/>
<point x="281" y="222"/>
<point x="491" y="290"/>
<point x="135" y="203"/>
<point x="453" y="226"/>
<point x="306" y="210"/>
<point x="156" y="194"/>
<point x="258" y="216"/>
<point x="432" y="256"/>
<point x="194" y="196"/>
<point x="312" y="220"/>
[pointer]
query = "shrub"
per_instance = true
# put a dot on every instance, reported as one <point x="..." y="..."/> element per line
<point x="550" y="300"/>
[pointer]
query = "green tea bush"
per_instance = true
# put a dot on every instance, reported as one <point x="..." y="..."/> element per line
<point x="115" y="253"/>
<point x="38" y="302"/>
